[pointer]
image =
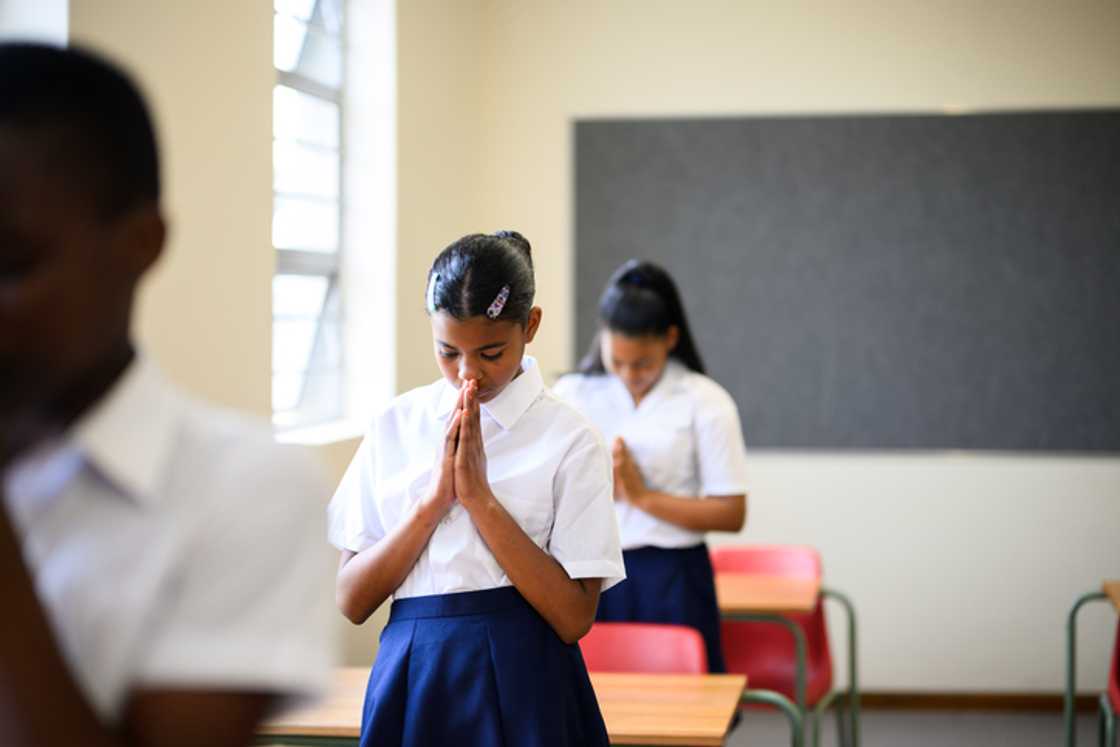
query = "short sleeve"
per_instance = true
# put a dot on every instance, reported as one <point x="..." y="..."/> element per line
<point x="721" y="453"/>
<point x="353" y="522"/>
<point x="585" y="539"/>
<point x="250" y="606"/>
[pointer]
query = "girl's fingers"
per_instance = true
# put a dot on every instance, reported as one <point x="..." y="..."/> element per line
<point x="453" y="431"/>
<point x="464" y="438"/>
<point x="470" y="398"/>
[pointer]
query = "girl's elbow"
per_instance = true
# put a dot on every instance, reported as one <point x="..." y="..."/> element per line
<point x="738" y="523"/>
<point x="576" y="628"/>
<point x="349" y="606"/>
<point x="573" y="633"/>
<point x="355" y="616"/>
<point x="739" y="520"/>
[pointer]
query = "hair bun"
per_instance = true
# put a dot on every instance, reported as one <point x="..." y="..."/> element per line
<point x="632" y="272"/>
<point x="517" y="240"/>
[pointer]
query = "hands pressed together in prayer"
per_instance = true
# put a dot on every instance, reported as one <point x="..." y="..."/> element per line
<point x="629" y="485"/>
<point x="460" y="474"/>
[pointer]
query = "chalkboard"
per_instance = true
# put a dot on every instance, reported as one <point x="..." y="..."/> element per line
<point x="878" y="282"/>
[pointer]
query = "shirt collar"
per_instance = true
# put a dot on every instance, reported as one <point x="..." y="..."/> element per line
<point x="508" y="407"/>
<point x="128" y="435"/>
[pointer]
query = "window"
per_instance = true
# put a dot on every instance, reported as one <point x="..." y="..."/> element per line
<point x="308" y="373"/>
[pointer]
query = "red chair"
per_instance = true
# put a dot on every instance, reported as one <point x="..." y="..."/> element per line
<point x="765" y="651"/>
<point x="644" y="647"/>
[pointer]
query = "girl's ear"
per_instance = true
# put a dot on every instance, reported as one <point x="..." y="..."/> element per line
<point x="533" y="324"/>
<point x="672" y="336"/>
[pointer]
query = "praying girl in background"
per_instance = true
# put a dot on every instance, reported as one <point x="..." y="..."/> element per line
<point x="678" y="455"/>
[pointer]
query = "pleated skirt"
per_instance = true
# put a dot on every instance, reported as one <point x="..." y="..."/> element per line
<point x="477" y="668"/>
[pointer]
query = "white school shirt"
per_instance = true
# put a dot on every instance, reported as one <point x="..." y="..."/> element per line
<point x="684" y="436"/>
<point x="545" y="463"/>
<point x="174" y="545"/>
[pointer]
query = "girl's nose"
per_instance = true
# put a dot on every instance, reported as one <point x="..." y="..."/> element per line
<point x="468" y="371"/>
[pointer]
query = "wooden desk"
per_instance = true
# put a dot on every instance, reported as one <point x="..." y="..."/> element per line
<point x="1112" y="591"/>
<point x="639" y="709"/>
<point x="668" y="709"/>
<point x="339" y="714"/>
<point x="747" y="594"/>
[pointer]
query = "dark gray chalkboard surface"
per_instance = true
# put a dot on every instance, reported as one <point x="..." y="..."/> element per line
<point x="878" y="282"/>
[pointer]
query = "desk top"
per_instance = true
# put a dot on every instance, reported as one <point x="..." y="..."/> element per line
<point x="1112" y="589"/>
<point x="746" y="593"/>
<point x="668" y="709"/>
<point x="646" y="709"/>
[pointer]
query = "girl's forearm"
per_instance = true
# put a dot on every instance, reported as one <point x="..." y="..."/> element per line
<point x="721" y="513"/>
<point x="366" y="579"/>
<point x="567" y="604"/>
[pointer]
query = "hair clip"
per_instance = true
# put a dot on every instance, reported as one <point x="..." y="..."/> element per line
<point x="495" y="309"/>
<point x="432" y="292"/>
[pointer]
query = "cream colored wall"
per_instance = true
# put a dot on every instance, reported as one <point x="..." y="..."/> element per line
<point x="962" y="565"/>
<point x="206" y="67"/>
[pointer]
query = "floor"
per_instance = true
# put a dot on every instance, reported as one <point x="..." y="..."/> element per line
<point x="889" y="728"/>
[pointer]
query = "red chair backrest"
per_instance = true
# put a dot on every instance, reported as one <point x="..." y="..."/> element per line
<point x="764" y="651"/>
<point x="644" y="647"/>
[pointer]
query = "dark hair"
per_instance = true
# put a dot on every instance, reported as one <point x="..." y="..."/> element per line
<point x="468" y="277"/>
<point x="642" y="299"/>
<point x="93" y="113"/>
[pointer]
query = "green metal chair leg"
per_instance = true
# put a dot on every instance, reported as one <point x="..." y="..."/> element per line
<point x="793" y="713"/>
<point x="1071" y="665"/>
<point x="818" y="714"/>
<point x="843" y="725"/>
<point x="853" y="663"/>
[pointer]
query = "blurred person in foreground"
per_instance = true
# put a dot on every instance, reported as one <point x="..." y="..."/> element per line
<point x="160" y="558"/>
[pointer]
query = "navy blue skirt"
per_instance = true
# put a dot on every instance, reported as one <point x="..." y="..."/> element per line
<point x="477" y="668"/>
<point x="666" y="585"/>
